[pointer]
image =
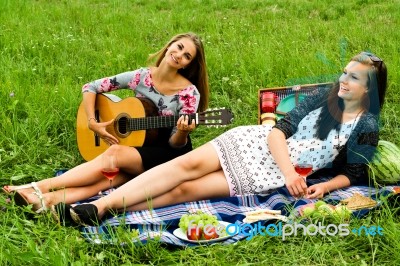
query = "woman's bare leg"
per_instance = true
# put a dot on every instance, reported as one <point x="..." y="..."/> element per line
<point x="161" y="179"/>
<point x="88" y="177"/>
<point x="74" y="194"/>
<point x="209" y="186"/>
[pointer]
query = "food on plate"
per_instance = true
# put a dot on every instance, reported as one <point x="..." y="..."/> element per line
<point x="316" y="210"/>
<point x="263" y="214"/>
<point x="319" y="203"/>
<point x="326" y="209"/>
<point x="194" y="232"/>
<point x="322" y="210"/>
<point x="201" y="226"/>
<point x="358" y="201"/>
<point x="210" y="232"/>
<point x="307" y="211"/>
<point x="342" y="212"/>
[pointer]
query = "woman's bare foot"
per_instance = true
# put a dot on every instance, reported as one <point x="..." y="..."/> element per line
<point x="11" y="189"/>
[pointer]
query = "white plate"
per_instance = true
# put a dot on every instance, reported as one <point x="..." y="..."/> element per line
<point x="182" y="235"/>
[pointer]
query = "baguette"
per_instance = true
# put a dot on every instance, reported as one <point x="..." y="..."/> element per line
<point x="263" y="214"/>
<point x="262" y="211"/>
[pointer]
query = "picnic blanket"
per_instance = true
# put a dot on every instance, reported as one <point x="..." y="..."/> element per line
<point x="159" y="224"/>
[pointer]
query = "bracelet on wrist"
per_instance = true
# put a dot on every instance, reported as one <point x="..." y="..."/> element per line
<point x="90" y="118"/>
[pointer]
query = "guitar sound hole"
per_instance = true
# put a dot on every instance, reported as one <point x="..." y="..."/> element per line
<point x="122" y="127"/>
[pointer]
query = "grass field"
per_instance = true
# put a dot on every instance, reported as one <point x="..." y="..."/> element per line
<point x="50" y="48"/>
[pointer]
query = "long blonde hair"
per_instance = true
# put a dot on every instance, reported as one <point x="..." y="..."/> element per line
<point x="196" y="71"/>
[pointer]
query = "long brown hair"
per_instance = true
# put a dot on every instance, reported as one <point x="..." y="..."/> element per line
<point x="196" y="71"/>
<point x="332" y="109"/>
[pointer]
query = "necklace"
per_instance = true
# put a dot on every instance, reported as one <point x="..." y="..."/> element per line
<point x="340" y="147"/>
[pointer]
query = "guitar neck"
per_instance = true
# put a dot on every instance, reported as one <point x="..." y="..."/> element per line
<point x="144" y="123"/>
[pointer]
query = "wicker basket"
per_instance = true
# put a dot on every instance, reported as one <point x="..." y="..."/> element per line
<point x="283" y="92"/>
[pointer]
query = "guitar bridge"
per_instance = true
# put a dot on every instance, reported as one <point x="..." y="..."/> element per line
<point x="96" y="137"/>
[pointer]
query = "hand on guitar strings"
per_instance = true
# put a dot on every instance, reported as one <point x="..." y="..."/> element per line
<point x="101" y="130"/>
<point x="183" y="124"/>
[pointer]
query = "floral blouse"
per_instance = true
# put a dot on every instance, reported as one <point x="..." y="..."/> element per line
<point x="186" y="101"/>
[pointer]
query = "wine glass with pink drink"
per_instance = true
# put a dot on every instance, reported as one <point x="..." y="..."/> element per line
<point x="303" y="167"/>
<point x="109" y="167"/>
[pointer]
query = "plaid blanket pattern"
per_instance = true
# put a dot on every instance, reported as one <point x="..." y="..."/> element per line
<point x="159" y="224"/>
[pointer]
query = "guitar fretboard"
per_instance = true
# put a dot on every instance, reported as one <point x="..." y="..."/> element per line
<point x="152" y="122"/>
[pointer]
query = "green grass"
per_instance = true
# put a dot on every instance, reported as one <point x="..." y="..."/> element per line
<point x="50" y="48"/>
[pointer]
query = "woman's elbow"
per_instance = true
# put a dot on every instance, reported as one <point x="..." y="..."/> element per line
<point x="274" y="135"/>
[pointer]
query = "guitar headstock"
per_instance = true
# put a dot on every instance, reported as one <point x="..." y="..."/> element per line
<point x="215" y="117"/>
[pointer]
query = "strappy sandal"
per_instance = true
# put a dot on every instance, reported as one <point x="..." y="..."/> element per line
<point x="85" y="214"/>
<point x="22" y="201"/>
<point x="61" y="213"/>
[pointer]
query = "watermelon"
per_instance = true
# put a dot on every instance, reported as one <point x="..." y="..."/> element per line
<point x="384" y="168"/>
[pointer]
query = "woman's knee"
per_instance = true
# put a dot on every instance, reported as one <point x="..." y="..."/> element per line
<point x="128" y="158"/>
<point x="114" y="149"/>
<point x="187" y="162"/>
<point x="203" y="160"/>
<point x="182" y="191"/>
<point x="123" y="152"/>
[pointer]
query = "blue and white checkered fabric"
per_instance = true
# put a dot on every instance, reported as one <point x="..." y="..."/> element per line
<point x="160" y="223"/>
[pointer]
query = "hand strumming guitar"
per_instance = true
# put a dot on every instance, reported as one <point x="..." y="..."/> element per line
<point x="101" y="130"/>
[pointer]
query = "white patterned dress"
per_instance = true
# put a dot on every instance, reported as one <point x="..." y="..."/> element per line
<point x="249" y="166"/>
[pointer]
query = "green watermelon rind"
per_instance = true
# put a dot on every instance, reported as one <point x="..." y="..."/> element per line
<point x="385" y="166"/>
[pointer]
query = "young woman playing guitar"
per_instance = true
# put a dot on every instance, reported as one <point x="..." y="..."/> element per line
<point x="177" y="85"/>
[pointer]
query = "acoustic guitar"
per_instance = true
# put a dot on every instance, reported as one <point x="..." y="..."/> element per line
<point x="135" y="122"/>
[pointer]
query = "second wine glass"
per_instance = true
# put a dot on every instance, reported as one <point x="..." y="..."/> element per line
<point x="304" y="166"/>
<point x="109" y="167"/>
<point x="303" y="169"/>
